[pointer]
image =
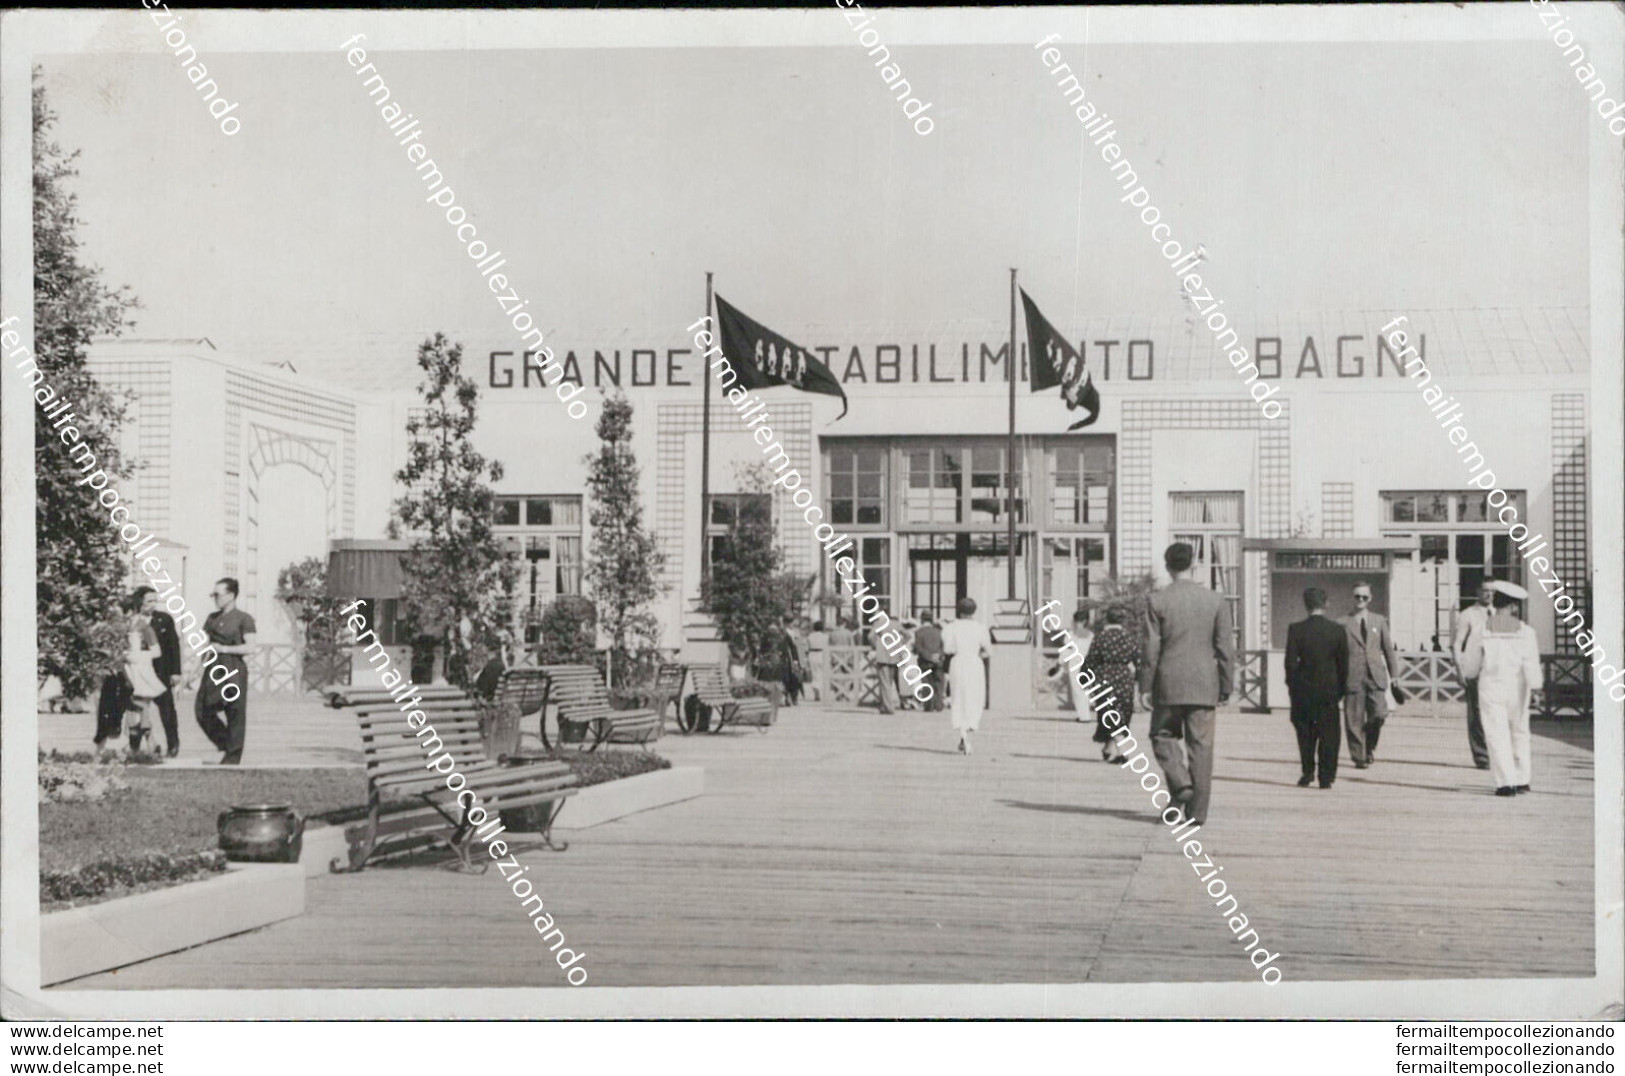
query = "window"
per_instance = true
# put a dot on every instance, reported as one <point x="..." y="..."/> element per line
<point x="1463" y="538"/>
<point x="989" y="499"/>
<point x="933" y="485"/>
<point x="727" y="511"/>
<point x="1460" y="543"/>
<point x="874" y="563"/>
<point x="1080" y="483"/>
<point x="857" y="485"/>
<point x="933" y="574"/>
<point x="1211" y="523"/>
<point x="1074" y="570"/>
<point x="958" y="484"/>
<point x="542" y="533"/>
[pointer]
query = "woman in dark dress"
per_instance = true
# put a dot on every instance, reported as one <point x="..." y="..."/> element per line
<point x="1114" y="657"/>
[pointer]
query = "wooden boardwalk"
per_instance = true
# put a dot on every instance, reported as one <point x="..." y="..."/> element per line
<point x="847" y="847"/>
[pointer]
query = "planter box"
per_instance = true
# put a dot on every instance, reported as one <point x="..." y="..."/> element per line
<point x="83" y="941"/>
<point x="616" y="799"/>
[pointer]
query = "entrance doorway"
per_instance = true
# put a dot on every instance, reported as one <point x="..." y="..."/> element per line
<point x="943" y="568"/>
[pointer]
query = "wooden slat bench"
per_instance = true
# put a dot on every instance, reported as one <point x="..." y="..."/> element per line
<point x="409" y="806"/>
<point x="342" y="695"/>
<point x="579" y="693"/>
<point x="667" y="689"/>
<point x="711" y="691"/>
<point x="526" y="687"/>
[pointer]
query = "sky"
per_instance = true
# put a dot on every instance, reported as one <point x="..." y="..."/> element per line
<point x="1346" y="176"/>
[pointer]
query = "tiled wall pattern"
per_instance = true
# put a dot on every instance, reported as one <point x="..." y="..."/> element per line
<point x="792" y="427"/>
<point x="1337" y="509"/>
<point x="146" y="436"/>
<point x="1142" y="417"/>
<point x="1570" y="538"/>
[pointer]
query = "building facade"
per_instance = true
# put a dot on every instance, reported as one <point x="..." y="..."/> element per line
<point x="251" y="466"/>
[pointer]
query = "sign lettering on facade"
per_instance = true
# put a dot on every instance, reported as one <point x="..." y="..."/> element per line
<point x="1346" y="356"/>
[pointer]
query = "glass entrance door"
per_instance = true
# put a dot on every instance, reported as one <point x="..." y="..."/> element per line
<point x="946" y="567"/>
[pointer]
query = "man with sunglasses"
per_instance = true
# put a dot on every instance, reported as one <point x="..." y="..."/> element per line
<point x="1372" y="666"/>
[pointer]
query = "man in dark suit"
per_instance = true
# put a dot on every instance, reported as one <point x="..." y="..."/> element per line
<point x="1187" y="672"/>
<point x="928" y="648"/>
<point x="167" y="665"/>
<point x="1372" y="666"/>
<point x="1317" y="667"/>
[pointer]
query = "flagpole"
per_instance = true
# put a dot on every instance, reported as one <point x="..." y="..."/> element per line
<point x="705" y="459"/>
<point x="1010" y="454"/>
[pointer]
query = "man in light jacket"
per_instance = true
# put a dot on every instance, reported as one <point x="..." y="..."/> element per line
<point x="1372" y="667"/>
<point x="1188" y="669"/>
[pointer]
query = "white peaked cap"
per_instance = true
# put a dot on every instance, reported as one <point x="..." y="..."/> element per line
<point x="1511" y="590"/>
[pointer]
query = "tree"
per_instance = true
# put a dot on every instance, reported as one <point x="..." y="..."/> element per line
<point x="566" y="632"/>
<point x="456" y="569"/>
<point x="302" y="587"/>
<point x="749" y="590"/>
<point x="79" y="555"/>
<point x="624" y="563"/>
<point x="1132" y="595"/>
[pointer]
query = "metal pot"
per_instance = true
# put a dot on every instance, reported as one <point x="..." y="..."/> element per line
<point x="261" y="833"/>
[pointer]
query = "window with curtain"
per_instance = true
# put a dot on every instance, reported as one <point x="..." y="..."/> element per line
<point x="543" y="533"/>
<point x="1212" y="525"/>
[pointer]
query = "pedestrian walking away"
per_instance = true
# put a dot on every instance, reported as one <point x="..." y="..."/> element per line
<point x="1114" y="656"/>
<point x="1317" y="667"/>
<point x="818" y="644"/>
<point x="968" y="644"/>
<point x="885" y="673"/>
<point x="1469" y="636"/>
<point x="1189" y="667"/>
<point x="928" y="651"/>
<point x="1082" y="637"/>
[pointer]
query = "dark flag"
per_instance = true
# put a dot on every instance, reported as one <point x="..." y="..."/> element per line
<point x="1056" y="362"/>
<point x="762" y="358"/>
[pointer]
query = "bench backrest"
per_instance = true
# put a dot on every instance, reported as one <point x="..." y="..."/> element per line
<point x="526" y="687"/>
<point x="670" y="677"/>
<point x="576" y="689"/>
<point x="392" y="747"/>
<point x="711" y="683"/>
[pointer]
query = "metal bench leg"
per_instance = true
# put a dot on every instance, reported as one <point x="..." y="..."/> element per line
<point x="359" y="856"/>
<point x="547" y="830"/>
<point x="597" y="732"/>
<point x="458" y="842"/>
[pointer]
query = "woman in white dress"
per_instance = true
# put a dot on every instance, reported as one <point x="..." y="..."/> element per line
<point x="967" y="642"/>
<point x="1509" y="672"/>
<point x="145" y="682"/>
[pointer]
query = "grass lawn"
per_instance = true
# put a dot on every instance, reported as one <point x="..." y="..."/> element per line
<point x="162" y="829"/>
<point x="174" y="811"/>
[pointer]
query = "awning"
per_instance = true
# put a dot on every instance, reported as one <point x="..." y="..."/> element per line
<point x="365" y="568"/>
